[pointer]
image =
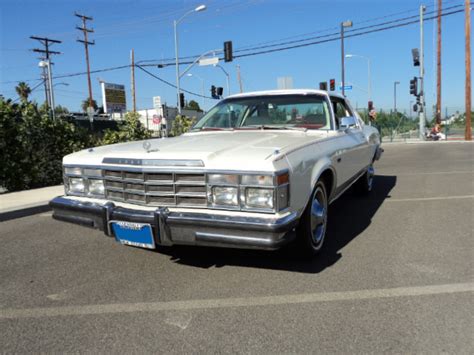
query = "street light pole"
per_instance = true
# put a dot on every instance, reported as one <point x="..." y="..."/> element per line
<point x="395" y="83"/>
<point x="227" y="78"/>
<point x="202" y="85"/>
<point x="343" y="25"/>
<point x="175" y="25"/>
<point x="369" y="83"/>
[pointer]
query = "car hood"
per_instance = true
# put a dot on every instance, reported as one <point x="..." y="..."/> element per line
<point x="231" y="150"/>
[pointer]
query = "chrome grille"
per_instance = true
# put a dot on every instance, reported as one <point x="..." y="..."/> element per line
<point x="156" y="189"/>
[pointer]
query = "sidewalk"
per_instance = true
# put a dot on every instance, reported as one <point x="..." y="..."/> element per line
<point x="24" y="203"/>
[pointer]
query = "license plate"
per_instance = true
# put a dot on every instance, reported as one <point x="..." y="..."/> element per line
<point x="134" y="234"/>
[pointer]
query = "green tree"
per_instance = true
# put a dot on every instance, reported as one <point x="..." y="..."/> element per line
<point x="193" y="105"/>
<point x="85" y="105"/>
<point x="130" y="129"/>
<point x="180" y="125"/>
<point x="23" y="90"/>
<point x="32" y="145"/>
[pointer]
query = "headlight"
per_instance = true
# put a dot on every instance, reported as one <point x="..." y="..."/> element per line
<point x="225" y="196"/>
<point x="259" y="198"/>
<point x="96" y="187"/>
<point x="73" y="171"/>
<point x="76" y="185"/>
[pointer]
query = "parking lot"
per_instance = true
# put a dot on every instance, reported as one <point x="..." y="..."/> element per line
<point x="396" y="276"/>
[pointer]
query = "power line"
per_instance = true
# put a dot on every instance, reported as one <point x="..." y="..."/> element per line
<point x="170" y="84"/>
<point x="337" y="33"/>
<point x="267" y="45"/>
<point x="330" y="37"/>
<point x="338" y="37"/>
<point x="142" y="63"/>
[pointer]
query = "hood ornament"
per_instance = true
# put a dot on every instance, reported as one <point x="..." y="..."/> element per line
<point x="147" y="147"/>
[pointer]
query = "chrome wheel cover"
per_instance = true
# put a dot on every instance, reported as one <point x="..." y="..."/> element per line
<point x="370" y="177"/>
<point x="318" y="217"/>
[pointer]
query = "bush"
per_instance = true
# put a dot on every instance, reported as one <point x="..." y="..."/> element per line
<point x="181" y="124"/>
<point x="130" y="130"/>
<point x="32" y="145"/>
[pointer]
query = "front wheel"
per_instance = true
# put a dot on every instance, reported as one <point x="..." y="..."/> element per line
<point x="311" y="231"/>
<point x="365" y="183"/>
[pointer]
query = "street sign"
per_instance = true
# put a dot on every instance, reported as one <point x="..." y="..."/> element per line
<point x="90" y="113"/>
<point x="346" y="87"/>
<point x="209" y="61"/>
<point x="113" y="97"/>
<point x="156" y="119"/>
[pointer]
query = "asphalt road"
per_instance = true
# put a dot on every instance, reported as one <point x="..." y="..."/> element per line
<point x="396" y="276"/>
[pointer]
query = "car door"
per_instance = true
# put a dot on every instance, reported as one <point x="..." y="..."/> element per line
<point x="350" y="157"/>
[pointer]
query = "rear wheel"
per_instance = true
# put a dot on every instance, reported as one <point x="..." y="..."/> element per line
<point x="311" y="231"/>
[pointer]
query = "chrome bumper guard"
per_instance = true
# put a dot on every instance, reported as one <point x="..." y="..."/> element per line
<point x="185" y="228"/>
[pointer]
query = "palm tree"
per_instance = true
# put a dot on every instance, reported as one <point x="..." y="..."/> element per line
<point x="85" y="105"/>
<point x="23" y="90"/>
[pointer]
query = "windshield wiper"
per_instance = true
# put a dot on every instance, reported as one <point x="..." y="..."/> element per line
<point x="263" y="127"/>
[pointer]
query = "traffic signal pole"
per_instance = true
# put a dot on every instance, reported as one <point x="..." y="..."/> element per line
<point x="422" y="114"/>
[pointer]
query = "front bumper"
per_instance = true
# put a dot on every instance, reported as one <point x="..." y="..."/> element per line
<point x="185" y="228"/>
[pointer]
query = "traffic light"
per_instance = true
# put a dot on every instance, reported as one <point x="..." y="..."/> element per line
<point x="416" y="57"/>
<point x="332" y="84"/>
<point x="213" y="92"/>
<point x="228" y="51"/>
<point x="370" y="105"/>
<point x="414" y="86"/>
<point x="181" y="100"/>
<point x="323" y="85"/>
<point x="220" y="91"/>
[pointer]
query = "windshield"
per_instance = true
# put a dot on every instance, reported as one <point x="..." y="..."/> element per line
<point x="269" y="112"/>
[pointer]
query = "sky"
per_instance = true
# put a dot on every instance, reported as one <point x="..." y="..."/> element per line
<point x="147" y="27"/>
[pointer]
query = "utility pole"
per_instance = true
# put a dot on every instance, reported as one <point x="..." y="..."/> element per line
<point x="467" y="10"/>
<point x="44" y="75"/>
<point x="47" y="73"/>
<point x="132" y="66"/>
<point x="438" y="67"/>
<point x="422" y="74"/>
<point x="85" y="31"/>
<point x="239" y="79"/>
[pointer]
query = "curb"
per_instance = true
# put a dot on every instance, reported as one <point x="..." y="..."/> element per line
<point x="24" y="212"/>
<point x="27" y="202"/>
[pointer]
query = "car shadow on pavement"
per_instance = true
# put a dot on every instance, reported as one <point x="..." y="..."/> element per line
<point x="349" y="216"/>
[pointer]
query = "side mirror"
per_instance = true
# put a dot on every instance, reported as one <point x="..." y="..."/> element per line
<point x="348" y="122"/>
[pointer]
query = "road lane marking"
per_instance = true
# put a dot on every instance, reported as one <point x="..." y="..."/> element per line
<point x="428" y="198"/>
<point x="437" y="173"/>
<point x="235" y="302"/>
